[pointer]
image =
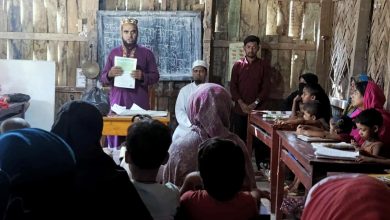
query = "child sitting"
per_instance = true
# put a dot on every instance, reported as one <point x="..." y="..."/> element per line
<point x="313" y="92"/>
<point x="147" y="145"/>
<point x="339" y="129"/>
<point x="222" y="169"/>
<point x="368" y="123"/>
<point x="312" y="115"/>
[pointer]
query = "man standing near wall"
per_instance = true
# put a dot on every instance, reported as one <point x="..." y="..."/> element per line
<point x="249" y="85"/>
<point x="146" y="73"/>
<point x="199" y="74"/>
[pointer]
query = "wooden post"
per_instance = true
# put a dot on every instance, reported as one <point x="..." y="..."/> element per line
<point x="208" y="26"/>
<point x="234" y="20"/>
<point x="362" y="21"/>
<point x="272" y="11"/>
<point x="323" y="45"/>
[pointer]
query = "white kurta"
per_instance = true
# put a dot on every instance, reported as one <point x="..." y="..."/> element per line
<point x="184" y="123"/>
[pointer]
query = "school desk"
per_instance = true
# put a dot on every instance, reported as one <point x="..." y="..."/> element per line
<point x="264" y="129"/>
<point x="299" y="157"/>
<point x="118" y="125"/>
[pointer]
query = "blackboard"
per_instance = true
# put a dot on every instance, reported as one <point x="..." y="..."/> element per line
<point x="174" y="38"/>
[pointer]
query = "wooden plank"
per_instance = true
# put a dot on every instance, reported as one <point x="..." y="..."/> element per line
<point x="120" y="5"/>
<point x="62" y="26"/>
<point x="14" y="24"/>
<point x="249" y="24"/>
<point x="3" y="27"/>
<point x="164" y="5"/>
<point x="134" y="5"/>
<point x="72" y="16"/>
<point x="147" y="5"/>
<point x="42" y="36"/>
<point x="323" y="49"/>
<point x="310" y="21"/>
<point x="284" y="61"/>
<point x="51" y="11"/>
<point x="40" y="26"/>
<point x="362" y="25"/>
<point x="297" y="67"/>
<point x="234" y="20"/>
<point x="310" y="61"/>
<point x="282" y="20"/>
<point x="272" y="11"/>
<point x="296" y="18"/>
<point x="110" y="5"/>
<point x="72" y="60"/>
<point x="262" y="22"/>
<point x="173" y="5"/>
<point x="208" y="27"/>
<point x="27" y="26"/>
<point x="387" y="81"/>
<point x="222" y="9"/>
<point x="272" y="45"/>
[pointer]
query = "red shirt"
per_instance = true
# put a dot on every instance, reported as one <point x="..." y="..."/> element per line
<point x="249" y="81"/>
<point x="200" y="205"/>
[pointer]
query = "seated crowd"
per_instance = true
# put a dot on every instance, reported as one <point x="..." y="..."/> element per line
<point x="205" y="173"/>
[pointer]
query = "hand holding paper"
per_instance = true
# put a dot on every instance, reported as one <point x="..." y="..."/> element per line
<point x="128" y="65"/>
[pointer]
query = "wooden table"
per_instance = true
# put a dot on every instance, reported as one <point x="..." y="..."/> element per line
<point x="265" y="130"/>
<point x="118" y="125"/>
<point x="13" y="110"/>
<point x="299" y="157"/>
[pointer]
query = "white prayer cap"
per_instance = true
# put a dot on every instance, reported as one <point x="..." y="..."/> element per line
<point x="199" y="63"/>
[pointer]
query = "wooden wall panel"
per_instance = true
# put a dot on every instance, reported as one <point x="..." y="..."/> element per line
<point x="249" y="23"/>
<point x="133" y="5"/>
<point x="3" y="27"/>
<point x="27" y="26"/>
<point x="14" y="25"/>
<point x="39" y="26"/>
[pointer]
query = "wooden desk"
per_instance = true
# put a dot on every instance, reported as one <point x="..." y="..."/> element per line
<point x="265" y="130"/>
<point x="14" y="110"/>
<point x="118" y="125"/>
<point x="299" y="157"/>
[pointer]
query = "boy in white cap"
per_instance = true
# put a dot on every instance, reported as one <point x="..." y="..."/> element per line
<point x="199" y="74"/>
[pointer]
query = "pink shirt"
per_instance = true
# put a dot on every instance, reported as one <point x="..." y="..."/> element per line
<point x="199" y="205"/>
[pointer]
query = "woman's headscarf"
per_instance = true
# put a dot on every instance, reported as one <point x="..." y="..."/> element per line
<point x="375" y="98"/>
<point x="40" y="168"/>
<point x="209" y="112"/>
<point x="80" y="124"/>
<point x="348" y="197"/>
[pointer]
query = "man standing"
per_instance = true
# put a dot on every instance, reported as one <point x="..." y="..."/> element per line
<point x="146" y="73"/>
<point x="249" y="87"/>
<point x="199" y="74"/>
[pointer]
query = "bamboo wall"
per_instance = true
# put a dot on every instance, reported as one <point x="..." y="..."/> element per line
<point x="379" y="49"/>
<point x="344" y="24"/>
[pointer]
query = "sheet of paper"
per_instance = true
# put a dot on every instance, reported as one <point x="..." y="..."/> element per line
<point x="128" y="65"/>
<point x="314" y="139"/>
<point x="122" y="111"/>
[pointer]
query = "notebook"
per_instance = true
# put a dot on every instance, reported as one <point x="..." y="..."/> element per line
<point x="315" y="139"/>
<point x="340" y="145"/>
<point x="329" y="153"/>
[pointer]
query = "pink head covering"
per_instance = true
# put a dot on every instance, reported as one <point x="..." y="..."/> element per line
<point x="348" y="197"/>
<point x="375" y="98"/>
<point x="209" y="111"/>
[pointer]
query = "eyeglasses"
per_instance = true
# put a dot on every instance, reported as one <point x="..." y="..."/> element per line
<point x="129" y="21"/>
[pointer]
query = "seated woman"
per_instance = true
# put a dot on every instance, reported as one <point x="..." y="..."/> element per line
<point x="99" y="180"/>
<point x="348" y="197"/>
<point x="209" y="113"/>
<point x="37" y="171"/>
<point x="307" y="78"/>
<point x="369" y="95"/>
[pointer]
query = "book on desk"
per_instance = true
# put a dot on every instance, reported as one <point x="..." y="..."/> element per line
<point x="315" y="139"/>
<point x="321" y="151"/>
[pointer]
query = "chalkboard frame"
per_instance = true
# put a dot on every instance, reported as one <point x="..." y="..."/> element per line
<point x="188" y="37"/>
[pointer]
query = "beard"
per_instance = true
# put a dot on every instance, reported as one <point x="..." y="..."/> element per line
<point x="129" y="45"/>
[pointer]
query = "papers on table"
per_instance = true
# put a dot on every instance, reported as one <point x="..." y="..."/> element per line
<point x="314" y="139"/>
<point x="128" y="65"/>
<point x="276" y="114"/>
<point x="136" y="110"/>
<point x="340" y="145"/>
<point x="329" y="153"/>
